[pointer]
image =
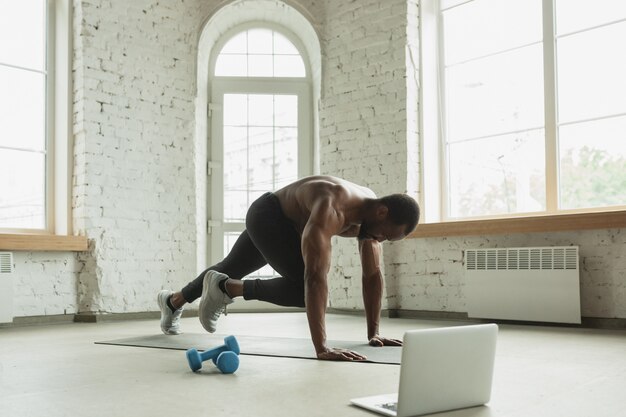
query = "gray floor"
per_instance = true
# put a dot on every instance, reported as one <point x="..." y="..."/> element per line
<point x="57" y="370"/>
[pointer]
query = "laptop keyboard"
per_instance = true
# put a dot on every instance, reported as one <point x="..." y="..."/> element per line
<point x="389" y="406"/>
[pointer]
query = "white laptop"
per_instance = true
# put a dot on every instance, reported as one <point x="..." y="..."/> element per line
<point x="442" y="369"/>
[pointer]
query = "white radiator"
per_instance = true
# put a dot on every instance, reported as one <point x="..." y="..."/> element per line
<point x="6" y="287"/>
<point x="529" y="284"/>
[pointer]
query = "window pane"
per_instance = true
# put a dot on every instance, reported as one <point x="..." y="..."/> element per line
<point x="235" y="109"/>
<point x="238" y="44"/>
<point x="229" y="241"/>
<point x="499" y="175"/>
<point x="260" y="66"/>
<point x="235" y="205"/>
<point x="22" y="181"/>
<point x="286" y="110"/>
<point x="573" y="15"/>
<point x="499" y="94"/>
<point x="283" y="46"/>
<point x="286" y="159"/>
<point x="232" y="65"/>
<point x="261" y="110"/>
<point x="235" y="158"/>
<point x="261" y="155"/>
<point x="591" y="68"/>
<point x="484" y="27"/>
<point x="22" y="33"/>
<point x="259" y="53"/>
<point x="22" y="109"/>
<point x="593" y="163"/>
<point x="260" y="41"/>
<point x="288" y="66"/>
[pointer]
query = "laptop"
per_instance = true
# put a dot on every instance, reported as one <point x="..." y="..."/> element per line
<point x="442" y="369"/>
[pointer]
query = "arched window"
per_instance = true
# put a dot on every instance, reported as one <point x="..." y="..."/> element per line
<point x="259" y="53"/>
<point x="260" y="116"/>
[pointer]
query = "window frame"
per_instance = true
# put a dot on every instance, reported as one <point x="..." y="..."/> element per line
<point x="434" y="158"/>
<point x="220" y="85"/>
<point x="58" y="123"/>
<point x="258" y="24"/>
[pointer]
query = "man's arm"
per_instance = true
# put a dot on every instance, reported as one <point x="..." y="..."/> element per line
<point x="323" y="223"/>
<point x="371" y="256"/>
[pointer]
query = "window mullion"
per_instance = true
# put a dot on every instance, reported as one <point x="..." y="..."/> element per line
<point x="442" y="148"/>
<point x="50" y="115"/>
<point x="550" y="106"/>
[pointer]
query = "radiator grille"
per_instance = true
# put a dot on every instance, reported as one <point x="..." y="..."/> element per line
<point x="522" y="258"/>
<point x="6" y="262"/>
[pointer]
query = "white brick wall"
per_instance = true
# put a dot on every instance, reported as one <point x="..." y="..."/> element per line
<point x="363" y="114"/>
<point x="134" y="182"/>
<point x="428" y="273"/>
<point x="134" y="189"/>
<point x="44" y="283"/>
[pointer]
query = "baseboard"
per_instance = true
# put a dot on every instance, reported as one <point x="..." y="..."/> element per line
<point x="155" y="315"/>
<point x="355" y="312"/>
<point x="88" y="317"/>
<point x="428" y="315"/>
<point x="602" y="323"/>
<point x="256" y="306"/>
<point x="39" y="320"/>
<point x="587" y="322"/>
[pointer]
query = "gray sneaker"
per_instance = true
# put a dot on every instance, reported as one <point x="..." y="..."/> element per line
<point x="170" y="322"/>
<point x="213" y="301"/>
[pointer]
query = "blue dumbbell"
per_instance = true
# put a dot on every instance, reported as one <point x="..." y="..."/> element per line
<point x="225" y="357"/>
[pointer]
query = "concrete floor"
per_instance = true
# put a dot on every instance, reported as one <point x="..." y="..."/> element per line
<point x="57" y="370"/>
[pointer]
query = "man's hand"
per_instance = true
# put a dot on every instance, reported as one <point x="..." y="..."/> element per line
<point x="334" y="354"/>
<point x="383" y="341"/>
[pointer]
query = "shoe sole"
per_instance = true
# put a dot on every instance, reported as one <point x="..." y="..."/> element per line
<point x="205" y="291"/>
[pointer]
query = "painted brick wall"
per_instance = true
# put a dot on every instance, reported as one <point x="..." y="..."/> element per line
<point x="44" y="283"/>
<point x="363" y="122"/>
<point x="134" y="86"/>
<point x="428" y="273"/>
<point x="133" y="178"/>
<point x="134" y="190"/>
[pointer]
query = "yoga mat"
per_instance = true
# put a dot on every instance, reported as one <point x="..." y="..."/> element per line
<point x="259" y="346"/>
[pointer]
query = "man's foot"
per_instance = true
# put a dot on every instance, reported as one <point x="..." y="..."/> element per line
<point x="170" y="320"/>
<point x="213" y="300"/>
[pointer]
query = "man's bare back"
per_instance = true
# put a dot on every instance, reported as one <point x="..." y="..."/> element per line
<point x="297" y="201"/>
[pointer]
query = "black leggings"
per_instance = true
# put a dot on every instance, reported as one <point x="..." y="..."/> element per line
<point x="269" y="238"/>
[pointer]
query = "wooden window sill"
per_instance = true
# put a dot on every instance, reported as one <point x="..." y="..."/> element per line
<point x="532" y="224"/>
<point x="26" y="242"/>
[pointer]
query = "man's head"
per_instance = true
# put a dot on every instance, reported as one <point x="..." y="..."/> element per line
<point x="392" y="217"/>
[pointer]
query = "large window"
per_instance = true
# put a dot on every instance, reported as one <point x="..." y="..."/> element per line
<point x="24" y="93"/>
<point x="533" y="106"/>
<point x="260" y="127"/>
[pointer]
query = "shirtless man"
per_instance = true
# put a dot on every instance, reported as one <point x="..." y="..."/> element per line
<point x="291" y="229"/>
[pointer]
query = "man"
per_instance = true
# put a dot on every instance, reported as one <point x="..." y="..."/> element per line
<point x="291" y="229"/>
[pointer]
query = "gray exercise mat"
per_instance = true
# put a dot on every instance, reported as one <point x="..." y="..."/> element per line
<point x="259" y="346"/>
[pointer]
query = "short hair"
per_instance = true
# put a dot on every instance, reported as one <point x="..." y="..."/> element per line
<point x="403" y="209"/>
